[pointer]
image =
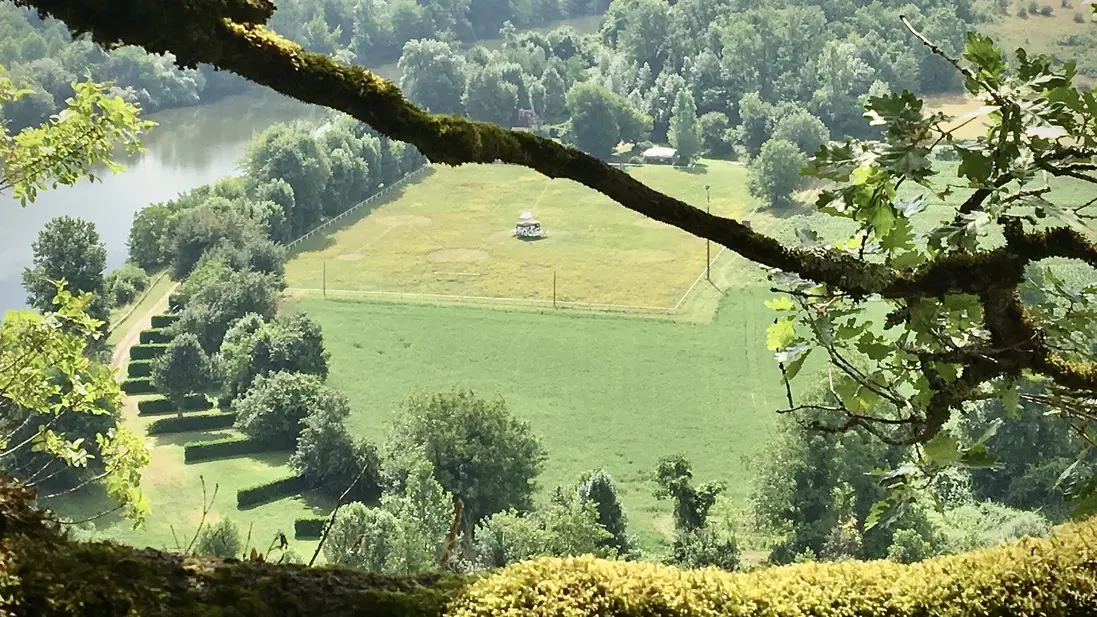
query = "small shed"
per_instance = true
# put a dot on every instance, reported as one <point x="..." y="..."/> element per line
<point x="528" y="228"/>
<point x="660" y="154"/>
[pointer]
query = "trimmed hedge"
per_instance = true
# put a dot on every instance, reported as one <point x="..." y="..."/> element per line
<point x="164" y="321"/>
<point x="271" y="491"/>
<point x="160" y="406"/>
<point x="139" y="368"/>
<point x="147" y="352"/>
<point x="221" y="448"/>
<point x="1046" y="577"/>
<point x="155" y="336"/>
<point x="139" y="385"/>
<point x="210" y="421"/>
<point x="309" y="528"/>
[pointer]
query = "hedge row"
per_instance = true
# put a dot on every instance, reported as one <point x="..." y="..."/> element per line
<point x="159" y="406"/>
<point x="139" y="385"/>
<point x="155" y="336"/>
<point x="220" y="448"/>
<point x="139" y="368"/>
<point x="309" y="528"/>
<point x="271" y="491"/>
<point x="1046" y="577"/>
<point x="164" y="321"/>
<point x="210" y="421"/>
<point x="147" y="352"/>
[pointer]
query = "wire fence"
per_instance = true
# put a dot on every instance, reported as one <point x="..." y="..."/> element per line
<point x="406" y="178"/>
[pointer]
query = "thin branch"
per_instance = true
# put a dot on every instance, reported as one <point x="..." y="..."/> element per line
<point x="331" y="519"/>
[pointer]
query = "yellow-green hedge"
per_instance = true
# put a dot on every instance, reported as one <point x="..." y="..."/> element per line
<point x="1049" y="577"/>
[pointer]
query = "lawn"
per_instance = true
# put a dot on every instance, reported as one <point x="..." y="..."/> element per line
<point x="451" y="234"/>
<point x="602" y="391"/>
<point x="123" y="318"/>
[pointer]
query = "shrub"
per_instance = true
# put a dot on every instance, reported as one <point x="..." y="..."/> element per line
<point x="309" y="528"/>
<point x="156" y="406"/>
<point x="139" y="368"/>
<point x="125" y="283"/>
<point x="139" y="385"/>
<point x="268" y="492"/>
<point x="220" y="448"/>
<point x="195" y="422"/>
<point x="273" y="410"/>
<point x="147" y="352"/>
<point x="155" y="336"/>
<point x="164" y="321"/>
<point x="330" y="460"/>
<point x="220" y="539"/>
<point x="1027" y="579"/>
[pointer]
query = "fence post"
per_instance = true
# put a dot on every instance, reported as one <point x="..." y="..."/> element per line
<point x="554" y="289"/>
<point x="324" y="278"/>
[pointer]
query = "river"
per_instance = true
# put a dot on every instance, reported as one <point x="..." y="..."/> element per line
<point x="189" y="147"/>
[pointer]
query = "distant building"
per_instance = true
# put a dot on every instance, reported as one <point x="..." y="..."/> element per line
<point x="660" y="155"/>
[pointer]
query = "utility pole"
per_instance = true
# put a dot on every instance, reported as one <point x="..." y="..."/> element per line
<point x="324" y="278"/>
<point x="708" y="243"/>
<point x="554" y="289"/>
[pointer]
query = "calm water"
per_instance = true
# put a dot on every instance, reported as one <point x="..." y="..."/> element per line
<point x="189" y="148"/>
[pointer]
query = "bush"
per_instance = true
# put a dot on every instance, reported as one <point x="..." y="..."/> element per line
<point x="274" y="409"/>
<point x="271" y="491"/>
<point x="195" y="422"/>
<point x="156" y="336"/>
<point x="1027" y="579"/>
<point x="125" y="283"/>
<point x="164" y="321"/>
<point x="147" y="352"/>
<point x="220" y="448"/>
<point x="221" y="539"/>
<point x="139" y="385"/>
<point x="139" y="368"/>
<point x="157" y="406"/>
<point x="309" y="528"/>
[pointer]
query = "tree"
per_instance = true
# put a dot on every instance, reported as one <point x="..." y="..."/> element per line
<point x="148" y="238"/>
<point x="197" y="230"/>
<point x="696" y="543"/>
<point x="555" y="107"/>
<point x="71" y="146"/>
<point x="273" y="410"/>
<point x="946" y="277"/>
<point x="433" y="75"/>
<point x="70" y="249"/>
<point x="775" y="173"/>
<point x="713" y="129"/>
<point x="212" y="309"/>
<point x="332" y="462"/>
<point x="490" y="97"/>
<point x="292" y="343"/>
<point x="123" y="284"/>
<point x="600" y="119"/>
<point x="480" y="452"/>
<point x="183" y="370"/>
<point x="49" y="385"/>
<point x="565" y="527"/>
<point x="598" y="488"/>
<point x="803" y="129"/>
<point x="685" y="132"/>
<point x="755" y="116"/>
<point x="291" y="154"/>
<point x="363" y="538"/>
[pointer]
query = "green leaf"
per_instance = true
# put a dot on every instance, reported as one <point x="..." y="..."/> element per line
<point x="783" y="303"/>
<point x="1010" y="398"/>
<point x="874" y="347"/>
<point x="780" y="334"/>
<point x="978" y="456"/>
<point x="877" y="513"/>
<point x="792" y="369"/>
<point x="942" y="450"/>
<point x="974" y="166"/>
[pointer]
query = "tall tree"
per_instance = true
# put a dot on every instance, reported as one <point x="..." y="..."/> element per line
<point x="685" y="131"/>
<point x="183" y="370"/>
<point x="68" y="248"/>
<point x="775" y="173"/>
<point x="433" y="75"/>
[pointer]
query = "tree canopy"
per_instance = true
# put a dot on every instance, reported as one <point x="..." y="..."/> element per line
<point x="964" y="332"/>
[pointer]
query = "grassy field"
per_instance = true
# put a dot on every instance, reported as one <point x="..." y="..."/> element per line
<point x="1059" y="35"/>
<point x="450" y="234"/>
<point x="610" y="391"/>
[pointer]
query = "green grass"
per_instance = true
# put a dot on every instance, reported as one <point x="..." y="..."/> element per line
<point x="124" y="318"/>
<point x="450" y="234"/>
<point x="175" y="492"/>
<point x="602" y="391"/>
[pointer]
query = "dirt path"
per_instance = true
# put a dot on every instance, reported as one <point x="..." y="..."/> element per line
<point x="122" y="349"/>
